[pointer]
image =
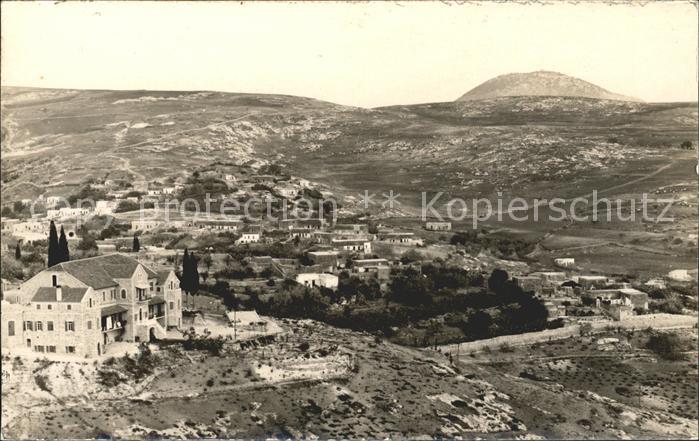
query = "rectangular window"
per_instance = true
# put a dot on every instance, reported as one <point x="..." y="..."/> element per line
<point x="51" y="349"/>
<point x="70" y="326"/>
<point x="10" y="328"/>
<point x="49" y="326"/>
<point x="89" y="324"/>
<point x="70" y="349"/>
<point x="90" y="302"/>
<point x="38" y="306"/>
<point x="49" y="306"/>
<point x="38" y="349"/>
<point x="29" y="326"/>
<point x="104" y="296"/>
<point x="70" y="307"/>
<point x="172" y="306"/>
<point x="39" y="326"/>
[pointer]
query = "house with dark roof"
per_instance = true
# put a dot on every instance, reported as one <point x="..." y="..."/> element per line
<point x="82" y="306"/>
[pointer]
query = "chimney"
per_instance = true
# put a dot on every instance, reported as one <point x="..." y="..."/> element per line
<point x="59" y="294"/>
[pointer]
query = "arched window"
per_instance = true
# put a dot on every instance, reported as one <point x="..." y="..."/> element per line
<point x="123" y="293"/>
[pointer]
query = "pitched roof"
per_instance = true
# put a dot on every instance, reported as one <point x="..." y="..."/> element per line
<point x="69" y="295"/>
<point x="100" y="271"/>
<point x="162" y="276"/>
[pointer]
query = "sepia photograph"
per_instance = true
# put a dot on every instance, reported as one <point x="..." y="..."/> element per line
<point x="407" y="220"/>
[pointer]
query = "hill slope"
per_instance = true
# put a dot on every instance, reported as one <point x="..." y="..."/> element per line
<point x="466" y="148"/>
<point x="539" y="83"/>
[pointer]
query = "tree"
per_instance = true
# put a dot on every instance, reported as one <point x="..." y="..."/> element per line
<point x="194" y="273"/>
<point x="208" y="261"/>
<point x="64" y="252"/>
<point x="497" y="280"/>
<point x="53" y="253"/>
<point x="136" y="247"/>
<point x="18" y="252"/>
<point x="185" y="283"/>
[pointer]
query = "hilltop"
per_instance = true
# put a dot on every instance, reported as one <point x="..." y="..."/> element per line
<point x="539" y="83"/>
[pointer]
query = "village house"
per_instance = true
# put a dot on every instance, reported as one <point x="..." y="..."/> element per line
<point x="219" y="224"/>
<point x="105" y="247"/>
<point x="82" y="306"/>
<point x="564" y="262"/>
<point x="144" y="225"/>
<point x="380" y="269"/>
<point x="286" y="191"/>
<point x="438" y="226"/>
<point x="592" y="282"/>
<point x="324" y="280"/>
<point x="326" y="260"/>
<point x="308" y="224"/>
<point x="625" y="296"/>
<point x="529" y="283"/>
<point x="32" y="231"/>
<point x="7" y="224"/>
<point x="248" y="238"/>
<point x="400" y="237"/>
<point x="550" y="278"/>
<point x="351" y="229"/>
<point x="352" y="245"/>
<point x="52" y="201"/>
<point x="323" y="237"/>
<point x="301" y="233"/>
<point x="246" y="321"/>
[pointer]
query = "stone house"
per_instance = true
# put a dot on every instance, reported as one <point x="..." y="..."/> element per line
<point x="330" y="281"/>
<point x="82" y="306"/>
<point x="438" y="226"/>
<point x="352" y="245"/>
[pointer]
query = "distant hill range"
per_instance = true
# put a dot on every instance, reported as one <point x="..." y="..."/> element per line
<point x="55" y="141"/>
<point x="540" y="83"/>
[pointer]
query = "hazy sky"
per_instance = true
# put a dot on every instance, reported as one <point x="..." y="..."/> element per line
<point x="356" y="54"/>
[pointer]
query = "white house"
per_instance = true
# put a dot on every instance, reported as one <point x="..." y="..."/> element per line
<point x="318" y="279"/>
<point x="248" y="238"/>
<point x="145" y="225"/>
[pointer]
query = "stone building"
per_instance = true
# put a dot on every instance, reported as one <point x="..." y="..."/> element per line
<point x="82" y="306"/>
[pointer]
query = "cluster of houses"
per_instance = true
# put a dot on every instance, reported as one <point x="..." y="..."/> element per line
<point x="559" y="291"/>
<point x="32" y="230"/>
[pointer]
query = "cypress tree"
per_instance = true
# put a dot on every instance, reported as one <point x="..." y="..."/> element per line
<point x="194" y="273"/>
<point x="18" y="252"/>
<point x="53" y="246"/>
<point x="63" y="251"/>
<point x="184" y="282"/>
<point x="136" y="244"/>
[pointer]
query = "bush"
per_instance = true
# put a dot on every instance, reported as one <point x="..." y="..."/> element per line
<point x="194" y="341"/>
<point x="41" y="383"/>
<point x="666" y="345"/>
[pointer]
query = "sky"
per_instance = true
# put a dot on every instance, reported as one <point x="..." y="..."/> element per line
<point x="355" y="54"/>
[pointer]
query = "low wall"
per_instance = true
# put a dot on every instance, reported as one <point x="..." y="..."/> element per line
<point x="655" y="321"/>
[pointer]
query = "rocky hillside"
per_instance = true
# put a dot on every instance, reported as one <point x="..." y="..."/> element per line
<point x="539" y="83"/>
<point x="54" y="140"/>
